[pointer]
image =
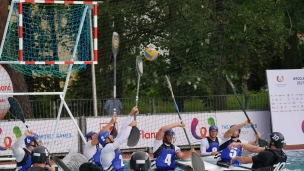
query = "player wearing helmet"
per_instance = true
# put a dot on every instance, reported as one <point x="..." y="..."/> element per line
<point x="40" y="160"/>
<point x="110" y="155"/>
<point x="140" y="161"/>
<point x="211" y="144"/>
<point x="164" y="151"/>
<point x="91" y="149"/>
<point x="23" y="155"/>
<point x="273" y="157"/>
<point x="233" y="133"/>
<point x="88" y="166"/>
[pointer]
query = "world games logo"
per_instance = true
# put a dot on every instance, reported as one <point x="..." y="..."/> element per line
<point x="280" y="79"/>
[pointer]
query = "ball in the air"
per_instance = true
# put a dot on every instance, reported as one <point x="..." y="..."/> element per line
<point x="151" y="54"/>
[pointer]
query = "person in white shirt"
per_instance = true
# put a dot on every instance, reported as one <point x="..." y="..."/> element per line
<point x="110" y="156"/>
<point x="211" y="144"/>
<point x="91" y="149"/>
<point x="22" y="155"/>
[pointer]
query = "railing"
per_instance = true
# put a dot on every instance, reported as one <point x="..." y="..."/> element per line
<point x="84" y="107"/>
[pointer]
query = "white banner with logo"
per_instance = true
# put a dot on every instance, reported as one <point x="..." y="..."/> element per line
<point x="6" y="86"/>
<point x="286" y="94"/>
<point x="197" y="125"/>
<point x="66" y="137"/>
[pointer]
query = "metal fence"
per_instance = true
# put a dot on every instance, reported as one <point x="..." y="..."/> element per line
<point x="84" y="107"/>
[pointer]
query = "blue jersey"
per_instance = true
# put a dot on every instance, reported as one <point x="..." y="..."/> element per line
<point x="26" y="161"/>
<point x="165" y="157"/>
<point x="228" y="154"/>
<point x="96" y="157"/>
<point x="213" y="145"/>
<point x="117" y="162"/>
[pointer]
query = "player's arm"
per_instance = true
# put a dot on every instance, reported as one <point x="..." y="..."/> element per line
<point x="161" y="132"/>
<point x="204" y="146"/>
<point x="16" y="147"/>
<point x="230" y="131"/>
<point x="248" y="147"/>
<point x="183" y="155"/>
<point x="127" y="121"/>
<point x="243" y="160"/>
<point x="107" y="127"/>
<point x="124" y="135"/>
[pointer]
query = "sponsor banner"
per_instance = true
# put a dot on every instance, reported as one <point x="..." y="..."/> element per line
<point x="6" y="86"/>
<point x="197" y="125"/>
<point x="286" y="95"/>
<point x="66" y="138"/>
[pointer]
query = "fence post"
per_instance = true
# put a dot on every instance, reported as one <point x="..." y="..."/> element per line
<point x="153" y="106"/>
<point x="54" y="109"/>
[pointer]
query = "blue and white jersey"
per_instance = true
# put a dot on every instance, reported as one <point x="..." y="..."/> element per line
<point x="117" y="162"/>
<point x="26" y="162"/>
<point x="165" y="155"/>
<point x="228" y="154"/>
<point x="96" y="157"/>
<point x="213" y="145"/>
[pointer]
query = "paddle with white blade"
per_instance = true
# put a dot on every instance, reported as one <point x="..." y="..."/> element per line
<point x="196" y="160"/>
<point x="135" y="133"/>
<point x="19" y="114"/>
<point x="262" y="143"/>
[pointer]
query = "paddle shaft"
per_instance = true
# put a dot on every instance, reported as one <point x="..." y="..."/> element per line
<point x="240" y="103"/>
<point x="177" y="110"/>
<point x="137" y="92"/>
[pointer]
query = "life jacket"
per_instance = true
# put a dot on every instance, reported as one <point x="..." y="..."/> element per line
<point x="117" y="162"/>
<point x="281" y="159"/>
<point x="165" y="157"/>
<point x="96" y="157"/>
<point x="228" y="154"/>
<point x="213" y="145"/>
<point x="26" y="161"/>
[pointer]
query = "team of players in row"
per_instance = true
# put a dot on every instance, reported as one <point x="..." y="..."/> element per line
<point x="103" y="149"/>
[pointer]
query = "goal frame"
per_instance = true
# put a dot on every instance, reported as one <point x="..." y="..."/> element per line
<point x="93" y="51"/>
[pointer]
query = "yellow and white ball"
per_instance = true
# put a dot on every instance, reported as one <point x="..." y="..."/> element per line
<point x="151" y="54"/>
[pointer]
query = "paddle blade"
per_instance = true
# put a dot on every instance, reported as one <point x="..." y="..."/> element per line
<point x="114" y="131"/>
<point x="16" y="108"/>
<point x="73" y="161"/>
<point x="134" y="137"/>
<point x="168" y="82"/>
<point x="60" y="163"/>
<point x="115" y="44"/>
<point x="263" y="143"/>
<point x="139" y="66"/>
<point x="197" y="162"/>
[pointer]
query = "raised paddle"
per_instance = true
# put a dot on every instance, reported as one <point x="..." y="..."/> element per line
<point x="196" y="160"/>
<point x="115" y="49"/>
<point x="135" y="134"/>
<point x="261" y="142"/>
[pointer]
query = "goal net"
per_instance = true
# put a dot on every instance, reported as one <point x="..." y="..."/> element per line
<point x="45" y="39"/>
<point x="49" y="33"/>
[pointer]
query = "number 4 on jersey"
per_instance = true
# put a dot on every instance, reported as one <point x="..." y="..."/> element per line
<point x="168" y="159"/>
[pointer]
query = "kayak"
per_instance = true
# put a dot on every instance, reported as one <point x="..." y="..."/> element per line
<point x="210" y="164"/>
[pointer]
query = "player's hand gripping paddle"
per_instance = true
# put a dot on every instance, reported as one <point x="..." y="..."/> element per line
<point x="19" y="114"/>
<point x="196" y="160"/>
<point x="262" y="143"/>
<point x="135" y="134"/>
<point x="115" y="49"/>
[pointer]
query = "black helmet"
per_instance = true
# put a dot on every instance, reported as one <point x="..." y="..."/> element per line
<point x="39" y="155"/>
<point x="140" y="161"/>
<point x="278" y="139"/>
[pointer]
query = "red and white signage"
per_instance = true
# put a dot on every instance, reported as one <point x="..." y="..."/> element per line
<point x="6" y="86"/>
